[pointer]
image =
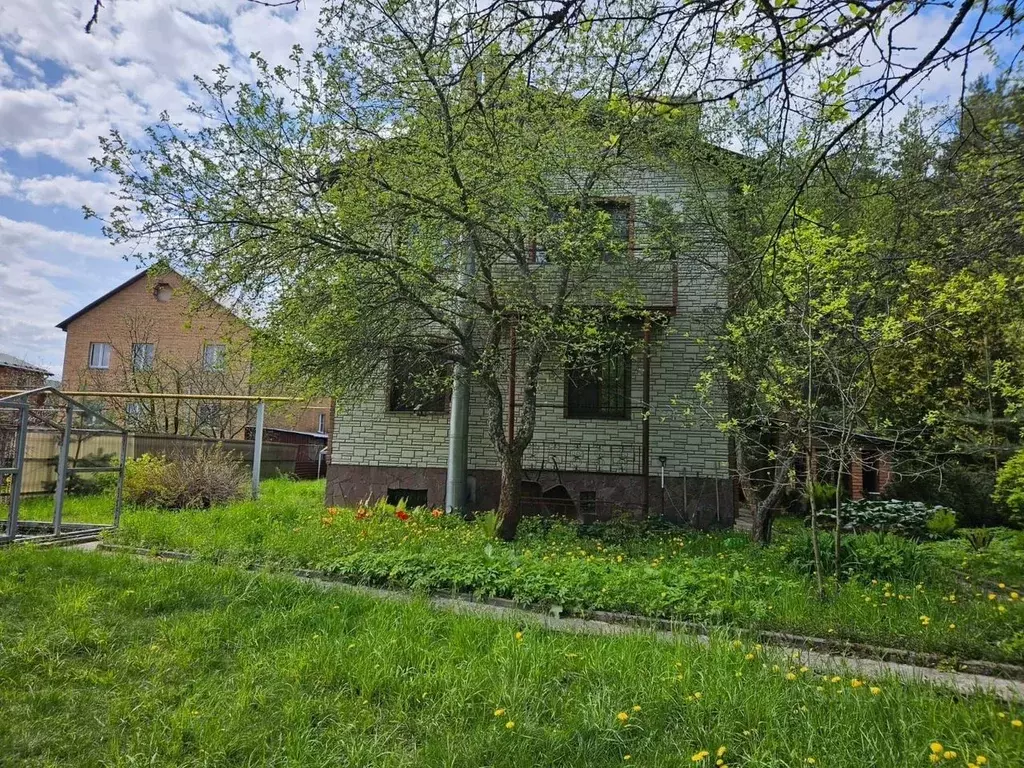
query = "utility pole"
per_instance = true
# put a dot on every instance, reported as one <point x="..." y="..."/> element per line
<point x="458" y="420"/>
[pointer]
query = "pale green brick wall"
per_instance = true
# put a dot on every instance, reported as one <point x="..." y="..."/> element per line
<point x="367" y="434"/>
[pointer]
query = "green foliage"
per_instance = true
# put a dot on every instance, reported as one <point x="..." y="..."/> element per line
<point x="88" y="483"/>
<point x="907" y="518"/>
<point x="197" y="479"/>
<point x="942" y="523"/>
<point x="489" y="522"/>
<point x="146" y="480"/>
<point x="880" y="556"/>
<point x="720" y="578"/>
<point x="121" y="661"/>
<point x="965" y="488"/>
<point x="980" y="539"/>
<point x="1009" y="489"/>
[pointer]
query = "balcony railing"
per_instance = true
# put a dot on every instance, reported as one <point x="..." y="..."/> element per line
<point x="616" y="459"/>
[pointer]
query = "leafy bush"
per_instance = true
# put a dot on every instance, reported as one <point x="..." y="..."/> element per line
<point x="195" y="480"/>
<point x="942" y="523"/>
<point x="907" y="518"/>
<point x="202" y="478"/>
<point x="1009" y="488"/>
<point x="145" y="480"/>
<point x="980" y="539"/>
<point x="882" y="556"/>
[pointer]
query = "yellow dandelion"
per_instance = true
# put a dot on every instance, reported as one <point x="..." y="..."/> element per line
<point x="1017" y="724"/>
<point x="836" y="679"/>
<point x="855" y="683"/>
<point x="627" y="757"/>
<point x="936" y="748"/>
<point x="875" y="690"/>
<point x="698" y="756"/>
<point x="810" y="761"/>
<point x="519" y="636"/>
<point x="510" y="724"/>
<point x="935" y="758"/>
<point x="980" y="759"/>
<point x="622" y="717"/>
<point x="1001" y="585"/>
<point x="804" y="669"/>
<point x="790" y="676"/>
<point x="749" y="657"/>
<point x="698" y="694"/>
<point x="499" y="712"/>
<point x="720" y="751"/>
<point x="949" y="754"/>
<point x="636" y="707"/>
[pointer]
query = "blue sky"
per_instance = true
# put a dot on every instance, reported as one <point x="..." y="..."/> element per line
<point x="59" y="90"/>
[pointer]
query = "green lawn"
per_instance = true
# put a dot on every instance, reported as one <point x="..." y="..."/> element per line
<point x="719" y="579"/>
<point x="93" y="508"/>
<point x="115" y="661"/>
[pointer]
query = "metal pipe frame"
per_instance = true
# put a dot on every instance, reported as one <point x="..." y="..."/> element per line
<point x="62" y="468"/>
<point x="257" y="448"/>
<point x="19" y="471"/>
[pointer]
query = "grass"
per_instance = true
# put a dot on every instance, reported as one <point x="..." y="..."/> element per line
<point x="78" y="508"/>
<point x="717" y="579"/>
<point x="111" y="661"/>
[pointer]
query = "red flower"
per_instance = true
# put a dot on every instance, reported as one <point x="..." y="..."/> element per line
<point x="362" y="514"/>
<point x="436" y="512"/>
<point x="402" y="515"/>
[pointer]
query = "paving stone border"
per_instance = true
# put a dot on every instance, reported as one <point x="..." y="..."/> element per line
<point x="1004" y="681"/>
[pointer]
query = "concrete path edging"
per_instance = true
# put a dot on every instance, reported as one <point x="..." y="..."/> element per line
<point x="963" y="682"/>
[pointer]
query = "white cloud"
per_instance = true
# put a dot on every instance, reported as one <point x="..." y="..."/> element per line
<point x="30" y="237"/>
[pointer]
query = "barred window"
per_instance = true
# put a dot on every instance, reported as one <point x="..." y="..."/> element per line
<point x="599" y="389"/>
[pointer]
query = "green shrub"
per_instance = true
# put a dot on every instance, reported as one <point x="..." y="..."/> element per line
<point x="195" y="480"/>
<point x="907" y="518"/>
<point x="980" y="539"/>
<point x="88" y="483"/>
<point x="882" y="556"/>
<point x="942" y="523"/>
<point x="1009" y="488"/>
<point x="145" y="480"/>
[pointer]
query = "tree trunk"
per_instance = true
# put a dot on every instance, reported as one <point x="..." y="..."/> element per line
<point x="838" y="510"/>
<point x="816" y="546"/>
<point x="511" y="491"/>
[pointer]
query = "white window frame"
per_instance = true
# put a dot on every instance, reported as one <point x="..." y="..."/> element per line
<point x="321" y="423"/>
<point x="214" y="362"/>
<point x="148" y="351"/>
<point x="104" y="350"/>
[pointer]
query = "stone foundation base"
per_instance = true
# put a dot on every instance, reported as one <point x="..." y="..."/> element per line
<point x="700" y="501"/>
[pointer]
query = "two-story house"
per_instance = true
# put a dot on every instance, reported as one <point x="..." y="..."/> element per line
<point x="157" y="332"/>
<point x="587" y="457"/>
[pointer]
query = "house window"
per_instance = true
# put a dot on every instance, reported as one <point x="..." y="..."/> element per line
<point x="321" y="422"/>
<point x="162" y="292"/>
<point x="619" y="210"/>
<point x="213" y="357"/>
<point x="207" y="414"/>
<point x="598" y="389"/>
<point x="99" y="355"/>
<point x="142" y="356"/>
<point x="136" y="414"/>
<point x="414" y="497"/>
<point x="419" y="381"/>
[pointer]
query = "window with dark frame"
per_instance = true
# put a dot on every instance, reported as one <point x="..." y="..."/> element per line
<point x="619" y="210"/>
<point x="599" y="389"/>
<point x="419" y="381"/>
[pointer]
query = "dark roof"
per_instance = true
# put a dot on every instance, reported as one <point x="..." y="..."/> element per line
<point x="63" y="324"/>
<point x="10" y="361"/>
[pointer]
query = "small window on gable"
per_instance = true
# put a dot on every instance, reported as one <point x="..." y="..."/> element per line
<point x="142" y="356"/>
<point x="162" y="292"/>
<point x="214" y="356"/>
<point x="99" y="355"/>
<point x="419" y="381"/>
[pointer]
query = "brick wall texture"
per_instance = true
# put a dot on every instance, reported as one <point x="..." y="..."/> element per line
<point x="179" y="328"/>
<point x="367" y="435"/>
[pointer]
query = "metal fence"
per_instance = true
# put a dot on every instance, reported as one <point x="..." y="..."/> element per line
<point x="95" y="448"/>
